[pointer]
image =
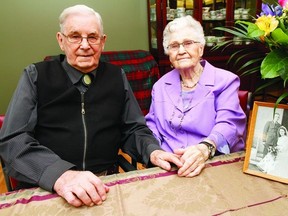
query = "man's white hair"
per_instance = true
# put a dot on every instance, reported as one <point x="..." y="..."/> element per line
<point x="79" y="9"/>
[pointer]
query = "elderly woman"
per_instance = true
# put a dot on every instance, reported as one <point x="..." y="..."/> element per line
<point x="281" y="160"/>
<point x="195" y="109"/>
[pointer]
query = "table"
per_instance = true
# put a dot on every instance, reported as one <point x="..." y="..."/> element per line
<point x="221" y="189"/>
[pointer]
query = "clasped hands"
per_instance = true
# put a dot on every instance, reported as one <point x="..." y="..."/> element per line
<point x="80" y="188"/>
<point x="190" y="161"/>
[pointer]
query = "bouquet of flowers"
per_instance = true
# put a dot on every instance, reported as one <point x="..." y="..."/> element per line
<point x="270" y="28"/>
<point x="273" y="150"/>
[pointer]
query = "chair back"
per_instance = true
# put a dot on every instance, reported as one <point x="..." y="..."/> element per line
<point x="245" y="101"/>
<point x="1" y="120"/>
<point x="141" y="70"/>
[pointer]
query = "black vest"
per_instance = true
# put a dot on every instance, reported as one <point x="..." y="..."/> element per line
<point x="61" y="125"/>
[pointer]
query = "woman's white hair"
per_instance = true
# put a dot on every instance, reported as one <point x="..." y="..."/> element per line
<point x="183" y="23"/>
<point x="79" y="9"/>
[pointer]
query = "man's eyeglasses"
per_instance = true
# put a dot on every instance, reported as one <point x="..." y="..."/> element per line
<point x="77" y="39"/>
<point x="186" y="44"/>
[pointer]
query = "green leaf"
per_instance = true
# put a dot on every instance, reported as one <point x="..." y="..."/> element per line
<point x="271" y="82"/>
<point x="283" y="96"/>
<point x="282" y="26"/>
<point x="283" y="72"/>
<point x="233" y="30"/>
<point x="273" y="63"/>
<point x="250" y="64"/>
<point x="279" y="36"/>
<point x="254" y="31"/>
<point x="223" y="45"/>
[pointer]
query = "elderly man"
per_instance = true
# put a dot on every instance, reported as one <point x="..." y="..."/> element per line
<point x="270" y="135"/>
<point x="70" y="116"/>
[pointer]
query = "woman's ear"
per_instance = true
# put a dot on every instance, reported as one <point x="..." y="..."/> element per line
<point x="201" y="50"/>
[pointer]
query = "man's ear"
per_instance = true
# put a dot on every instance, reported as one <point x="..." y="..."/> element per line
<point x="59" y="38"/>
<point x="104" y="41"/>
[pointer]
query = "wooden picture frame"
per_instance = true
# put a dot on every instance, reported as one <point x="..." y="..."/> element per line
<point x="266" y="154"/>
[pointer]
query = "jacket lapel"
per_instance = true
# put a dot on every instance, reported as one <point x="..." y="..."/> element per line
<point x="173" y="89"/>
<point x="202" y="89"/>
<point x="199" y="95"/>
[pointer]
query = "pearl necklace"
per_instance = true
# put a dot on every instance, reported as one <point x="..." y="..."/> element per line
<point x="191" y="86"/>
<point x="188" y="86"/>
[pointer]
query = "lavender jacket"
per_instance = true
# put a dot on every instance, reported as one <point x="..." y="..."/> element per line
<point x="214" y="109"/>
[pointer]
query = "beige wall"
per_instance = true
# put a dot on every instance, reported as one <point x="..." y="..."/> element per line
<point x="28" y="30"/>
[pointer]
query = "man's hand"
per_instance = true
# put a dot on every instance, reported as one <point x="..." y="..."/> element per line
<point x="163" y="159"/>
<point x="81" y="188"/>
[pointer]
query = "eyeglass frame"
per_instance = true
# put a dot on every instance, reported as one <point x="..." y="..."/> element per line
<point x="87" y="39"/>
<point x="182" y="44"/>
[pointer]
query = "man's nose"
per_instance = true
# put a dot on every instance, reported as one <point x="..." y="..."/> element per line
<point x="84" y="42"/>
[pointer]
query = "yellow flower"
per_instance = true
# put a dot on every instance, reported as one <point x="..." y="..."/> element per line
<point x="267" y="24"/>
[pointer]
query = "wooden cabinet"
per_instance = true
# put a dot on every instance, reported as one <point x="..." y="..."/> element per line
<point x="210" y="13"/>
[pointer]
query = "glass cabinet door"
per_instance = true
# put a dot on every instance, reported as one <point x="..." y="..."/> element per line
<point x="217" y="13"/>
<point x="153" y="24"/>
<point x="178" y="8"/>
<point x="162" y="11"/>
<point x="244" y="10"/>
<point x="213" y="15"/>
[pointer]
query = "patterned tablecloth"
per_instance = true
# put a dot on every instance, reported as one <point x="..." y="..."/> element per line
<point x="221" y="189"/>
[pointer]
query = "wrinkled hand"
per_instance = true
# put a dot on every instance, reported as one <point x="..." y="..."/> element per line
<point x="193" y="159"/>
<point x="81" y="188"/>
<point x="163" y="159"/>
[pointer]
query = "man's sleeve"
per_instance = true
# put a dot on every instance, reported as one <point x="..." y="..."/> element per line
<point x="137" y="139"/>
<point x="25" y="158"/>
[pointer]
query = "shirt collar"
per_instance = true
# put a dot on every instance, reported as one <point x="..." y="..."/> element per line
<point x="74" y="74"/>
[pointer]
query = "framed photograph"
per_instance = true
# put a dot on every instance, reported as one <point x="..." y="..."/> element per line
<point x="267" y="144"/>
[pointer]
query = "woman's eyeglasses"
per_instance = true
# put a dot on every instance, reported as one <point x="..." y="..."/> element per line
<point x="186" y="45"/>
